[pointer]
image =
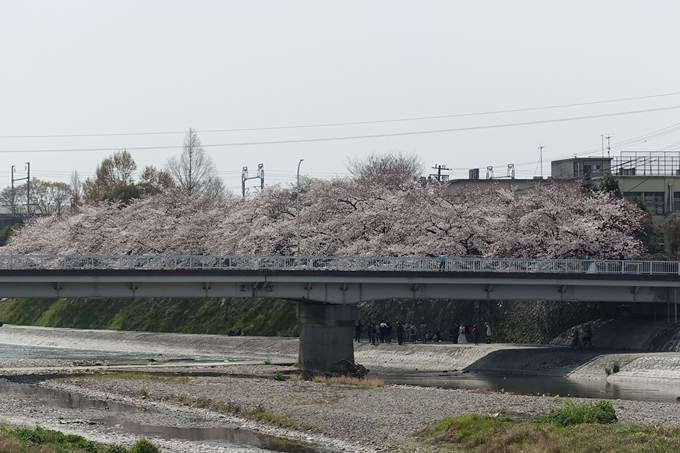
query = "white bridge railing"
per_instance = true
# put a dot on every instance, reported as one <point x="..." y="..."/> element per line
<point x="343" y="263"/>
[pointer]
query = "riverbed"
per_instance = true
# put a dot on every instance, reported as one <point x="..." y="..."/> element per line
<point x="76" y="395"/>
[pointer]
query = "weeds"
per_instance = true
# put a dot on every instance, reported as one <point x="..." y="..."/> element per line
<point x="348" y="380"/>
<point x="574" y="428"/>
<point x="144" y="446"/>
<point x="279" y="376"/>
<point x="41" y="440"/>
<point x="570" y="414"/>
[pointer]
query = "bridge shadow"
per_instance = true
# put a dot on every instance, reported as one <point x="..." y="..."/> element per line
<point x="534" y="361"/>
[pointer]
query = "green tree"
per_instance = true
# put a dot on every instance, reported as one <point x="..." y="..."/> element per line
<point x="113" y="180"/>
<point x="608" y="184"/>
<point x="153" y="181"/>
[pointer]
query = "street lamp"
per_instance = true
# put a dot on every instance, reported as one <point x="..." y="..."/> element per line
<point x="297" y="217"/>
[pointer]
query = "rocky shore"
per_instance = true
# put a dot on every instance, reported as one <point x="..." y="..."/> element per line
<point x="193" y="386"/>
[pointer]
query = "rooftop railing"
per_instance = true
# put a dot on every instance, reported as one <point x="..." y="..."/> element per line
<point x="335" y="263"/>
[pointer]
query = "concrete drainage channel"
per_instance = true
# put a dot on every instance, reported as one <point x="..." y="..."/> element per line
<point x="117" y="416"/>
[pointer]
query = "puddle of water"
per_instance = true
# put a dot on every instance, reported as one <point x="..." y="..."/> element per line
<point x="62" y="399"/>
<point x="532" y="385"/>
<point x="214" y="436"/>
<point x="223" y="436"/>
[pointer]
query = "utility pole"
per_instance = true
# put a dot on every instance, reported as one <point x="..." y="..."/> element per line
<point x="244" y="178"/>
<point x="297" y="216"/>
<point x="439" y="169"/>
<point x="608" y="145"/>
<point x="28" y="189"/>
<point x="12" y="200"/>
<point x="540" y="157"/>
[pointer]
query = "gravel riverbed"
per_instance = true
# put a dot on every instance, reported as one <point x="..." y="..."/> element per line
<point x="336" y="417"/>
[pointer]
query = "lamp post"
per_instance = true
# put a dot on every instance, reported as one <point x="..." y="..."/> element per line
<point x="297" y="217"/>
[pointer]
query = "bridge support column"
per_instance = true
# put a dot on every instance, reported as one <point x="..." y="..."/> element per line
<point x="326" y="345"/>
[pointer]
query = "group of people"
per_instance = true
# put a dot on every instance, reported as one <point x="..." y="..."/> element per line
<point x="578" y="341"/>
<point x="383" y="331"/>
<point x="589" y="266"/>
<point x="463" y="334"/>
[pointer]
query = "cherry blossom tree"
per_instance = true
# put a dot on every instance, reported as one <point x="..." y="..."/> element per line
<point x="349" y="216"/>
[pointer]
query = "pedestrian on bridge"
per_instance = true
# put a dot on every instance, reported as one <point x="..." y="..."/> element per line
<point x="442" y="262"/>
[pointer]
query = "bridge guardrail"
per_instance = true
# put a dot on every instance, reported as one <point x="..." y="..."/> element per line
<point x="346" y="263"/>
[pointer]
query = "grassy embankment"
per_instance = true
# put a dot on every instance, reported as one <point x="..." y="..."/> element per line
<point x="41" y="440"/>
<point x="571" y="428"/>
<point x="202" y="316"/>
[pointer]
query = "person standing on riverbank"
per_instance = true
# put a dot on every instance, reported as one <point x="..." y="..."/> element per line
<point x="423" y="330"/>
<point x="462" y="339"/>
<point x="475" y="334"/>
<point x="488" y="332"/>
<point x="358" y="327"/>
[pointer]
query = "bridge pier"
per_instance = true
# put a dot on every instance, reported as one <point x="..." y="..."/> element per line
<point x="326" y="338"/>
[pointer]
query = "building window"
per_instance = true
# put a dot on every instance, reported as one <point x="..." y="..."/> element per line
<point x="653" y="200"/>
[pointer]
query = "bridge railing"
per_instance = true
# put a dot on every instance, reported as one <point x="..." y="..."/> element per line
<point x="338" y="263"/>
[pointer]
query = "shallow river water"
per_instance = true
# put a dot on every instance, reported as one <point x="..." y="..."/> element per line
<point x="532" y="385"/>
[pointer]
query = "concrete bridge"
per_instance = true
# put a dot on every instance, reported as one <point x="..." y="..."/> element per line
<point x="327" y="289"/>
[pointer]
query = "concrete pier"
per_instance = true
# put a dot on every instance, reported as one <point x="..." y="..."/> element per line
<point x="326" y="331"/>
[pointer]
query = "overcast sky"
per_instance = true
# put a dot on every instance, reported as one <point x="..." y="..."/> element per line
<point x="138" y="67"/>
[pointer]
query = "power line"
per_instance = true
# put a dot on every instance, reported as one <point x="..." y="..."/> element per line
<point x="354" y="137"/>
<point x="641" y="138"/>
<point x="350" y="123"/>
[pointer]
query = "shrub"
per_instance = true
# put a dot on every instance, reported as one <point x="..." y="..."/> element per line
<point x="279" y="376"/>
<point x="144" y="446"/>
<point x="570" y="414"/>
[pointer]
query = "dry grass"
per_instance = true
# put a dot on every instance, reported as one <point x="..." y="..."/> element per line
<point x="348" y="380"/>
<point x="10" y="445"/>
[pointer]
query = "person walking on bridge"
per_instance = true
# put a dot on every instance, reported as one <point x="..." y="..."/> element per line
<point x="442" y="262"/>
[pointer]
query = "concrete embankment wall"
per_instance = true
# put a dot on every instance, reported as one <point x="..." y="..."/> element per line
<point x="494" y="358"/>
<point x="151" y="343"/>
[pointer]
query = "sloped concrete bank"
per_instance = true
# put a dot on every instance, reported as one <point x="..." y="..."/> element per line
<point x="151" y="343"/>
<point x="584" y="364"/>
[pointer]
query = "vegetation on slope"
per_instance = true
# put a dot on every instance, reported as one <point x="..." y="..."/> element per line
<point x="202" y="316"/>
<point x="571" y="428"/>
